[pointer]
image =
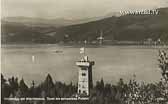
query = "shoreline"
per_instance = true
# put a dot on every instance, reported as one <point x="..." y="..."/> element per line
<point x="21" y="46"/>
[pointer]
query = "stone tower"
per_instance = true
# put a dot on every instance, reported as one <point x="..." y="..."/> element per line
<point x="85" y="82"/>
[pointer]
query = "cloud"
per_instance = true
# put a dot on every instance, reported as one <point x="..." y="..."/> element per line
<point x="73" y="8"/>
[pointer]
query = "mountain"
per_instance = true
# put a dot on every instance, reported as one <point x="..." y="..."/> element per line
<point x="122" y="28"/>
<point x="41" y="22"/>
<point x="20" y="33"/>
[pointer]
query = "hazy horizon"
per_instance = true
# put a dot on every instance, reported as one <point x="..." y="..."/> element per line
<point x="73" y="9"/>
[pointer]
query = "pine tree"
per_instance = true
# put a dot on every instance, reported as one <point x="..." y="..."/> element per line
<point x="5" y="90"/>
<point x="3" y="80"/>
<point x="23" y="88"/>
<point x="13" y="84"/>
<point x="48" y="86"/>
<point x="32" y="89"/>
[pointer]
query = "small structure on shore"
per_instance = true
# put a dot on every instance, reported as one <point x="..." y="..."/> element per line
<point x="101" y="38"/>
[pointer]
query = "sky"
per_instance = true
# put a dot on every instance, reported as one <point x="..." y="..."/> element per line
<point x="73" y="9"/>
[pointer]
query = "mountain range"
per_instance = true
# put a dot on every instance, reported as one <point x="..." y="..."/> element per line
<point x="129" y="27"/>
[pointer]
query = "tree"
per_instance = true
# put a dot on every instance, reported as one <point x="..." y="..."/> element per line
<point x="32" y="89"/>
<point x="3" y="80"/>
<point x="13" y="84"/>
<point x="120" y="83"/>
<point x="23" y="88"/>
<point x="5" y="90"/>
<point x="100" y="85"/>
<point x="48" y="86"/>
<point x="163" y="64"/>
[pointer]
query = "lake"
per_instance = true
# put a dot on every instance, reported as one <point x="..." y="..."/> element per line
<point x="111" y="62"/>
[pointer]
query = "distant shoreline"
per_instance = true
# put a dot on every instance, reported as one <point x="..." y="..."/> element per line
<point x="82" y="45"/>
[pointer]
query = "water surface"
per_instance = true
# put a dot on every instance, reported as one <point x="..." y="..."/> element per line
<point x="111" y="62"/>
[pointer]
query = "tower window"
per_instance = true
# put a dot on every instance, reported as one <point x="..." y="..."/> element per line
<point x="79" y="91"/>
<point x="84" y="92"/>
<point x="83" y="74"/>
<point x="83" y="68"/>
<point x="83" y="86"/>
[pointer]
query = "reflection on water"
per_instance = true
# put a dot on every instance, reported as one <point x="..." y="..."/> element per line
<point x="112" y="62"/>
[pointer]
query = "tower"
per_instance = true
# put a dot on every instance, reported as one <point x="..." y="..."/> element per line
<point x="85" y="82"/>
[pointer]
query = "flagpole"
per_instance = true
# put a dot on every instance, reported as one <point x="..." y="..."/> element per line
<point x="82" y="50"/>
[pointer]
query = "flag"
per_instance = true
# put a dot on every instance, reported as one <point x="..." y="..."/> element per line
<point x="82" y="50"/>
